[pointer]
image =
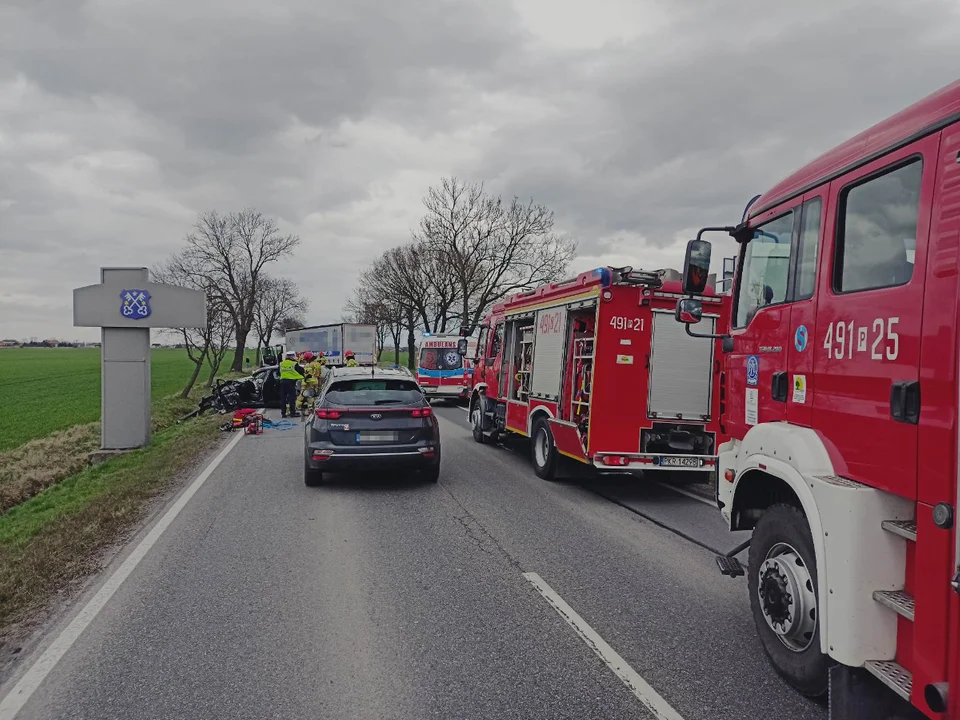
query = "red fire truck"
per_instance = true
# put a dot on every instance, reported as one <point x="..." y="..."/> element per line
<point x="595" y="370"/>
<point x="840" y="367"/>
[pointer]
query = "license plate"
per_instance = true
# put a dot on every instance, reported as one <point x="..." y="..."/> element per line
<point x="363" y="437"/>
<point x="679" y="462"/>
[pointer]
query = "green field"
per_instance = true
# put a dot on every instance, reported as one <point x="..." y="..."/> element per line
<point x="43" y="390"/>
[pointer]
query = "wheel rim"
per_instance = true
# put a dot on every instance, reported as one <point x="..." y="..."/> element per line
<point x="787" y="597"/>
<point x="541" y="447"/>
<point x="476" y="417"/>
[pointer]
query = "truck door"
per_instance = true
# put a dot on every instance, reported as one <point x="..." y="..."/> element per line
<point x="761" y="323"/>
<point x="494" y="361"/>
<point x="867" y="344"/>
<point x="803" y="308"/>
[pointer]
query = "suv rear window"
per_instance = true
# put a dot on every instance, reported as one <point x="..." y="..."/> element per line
<point x="374" y="392"/>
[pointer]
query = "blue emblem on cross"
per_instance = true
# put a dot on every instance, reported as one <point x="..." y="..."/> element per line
<point x="136" y="304"/>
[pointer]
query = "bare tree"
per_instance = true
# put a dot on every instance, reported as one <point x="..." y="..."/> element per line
<point x="490" y="248"/>
<point x="230" y="253"/>
<point x="217" y="335"/>
<point x="363" y="307"/>
<point x="279" y="299"/>
<point x="381" y="297"/>
<point x="197" y="341"/>
<point x="292" y="322"/>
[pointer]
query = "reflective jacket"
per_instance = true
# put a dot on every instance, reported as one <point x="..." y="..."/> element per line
<point x="289" y="370"/>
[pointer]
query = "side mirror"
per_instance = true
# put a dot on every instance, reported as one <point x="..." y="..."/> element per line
<point x="696" y="267"/>
<point x="462" y="347"/>
<point x="689" y="311"/>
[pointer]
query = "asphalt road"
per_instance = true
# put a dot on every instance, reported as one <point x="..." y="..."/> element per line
<point x="381" y="597"/>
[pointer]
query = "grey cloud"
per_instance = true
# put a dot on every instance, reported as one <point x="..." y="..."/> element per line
<point x="688" y="126"/>
<point x="120" y="121"/>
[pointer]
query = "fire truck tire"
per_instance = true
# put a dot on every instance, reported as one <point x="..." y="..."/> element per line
<point x="782" y="582"/>
<point x="543" y="451"/>
<point x="476" y="419"/>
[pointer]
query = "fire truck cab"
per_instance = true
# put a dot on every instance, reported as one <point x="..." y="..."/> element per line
<point x="840" y="364"/>
<point x="595" y="370"/>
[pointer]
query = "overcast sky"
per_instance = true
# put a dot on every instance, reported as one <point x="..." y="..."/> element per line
<point x="635" y="120"/>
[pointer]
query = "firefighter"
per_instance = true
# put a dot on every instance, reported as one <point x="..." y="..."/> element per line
<point x="351" y="360"/>
<point x="315" y="368"/>
<point x="308" y="393"/>
<point x="291" y="372"/>
<point x="307" y="360"/>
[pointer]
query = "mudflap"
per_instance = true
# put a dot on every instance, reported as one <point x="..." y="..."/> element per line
<point x="571" y="469"/>
<point x="855" y="694"/>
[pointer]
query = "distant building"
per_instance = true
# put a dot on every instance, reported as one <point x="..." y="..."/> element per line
<point x="9" y="343"/>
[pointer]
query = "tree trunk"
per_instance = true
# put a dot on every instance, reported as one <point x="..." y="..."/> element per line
<point x="411" y="341"/>
<point x="395" y="336"/>
<point x="241" y="335"/>
<point x="466" y="309"/>
<point x="197" y="364"/>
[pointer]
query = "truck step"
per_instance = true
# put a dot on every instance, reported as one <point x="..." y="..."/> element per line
<point x="896" y="600"/>
<point x="906" y="529"/>
<point x="729" y="566"/>
<point x="893" y="675"/>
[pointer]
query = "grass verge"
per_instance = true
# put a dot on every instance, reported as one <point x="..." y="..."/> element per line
<point x="58" y="535"/>
<point x="38" y="464"/>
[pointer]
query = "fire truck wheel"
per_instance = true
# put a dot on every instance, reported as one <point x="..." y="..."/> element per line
<point x="783" y="598"/>
<point x="476" y="419"/>
<point x="544" y="451"/>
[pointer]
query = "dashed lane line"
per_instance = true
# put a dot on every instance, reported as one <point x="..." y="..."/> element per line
<point x="650" y="698"/>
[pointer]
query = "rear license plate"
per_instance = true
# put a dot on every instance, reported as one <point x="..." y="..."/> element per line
<point x="365" y="437"/>
<point x="679" y="462"/>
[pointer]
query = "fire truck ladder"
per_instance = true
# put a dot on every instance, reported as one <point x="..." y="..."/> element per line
<point x="890" y="672"/>
<point x="628" y="276"/>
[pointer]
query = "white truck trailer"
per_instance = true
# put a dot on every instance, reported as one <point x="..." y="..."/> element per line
<point x="334" y="341"/>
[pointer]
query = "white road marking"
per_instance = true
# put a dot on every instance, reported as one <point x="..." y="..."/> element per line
<point x="31" y="680"/>
<point x="637" y="685"/>
<point x="689" y="494"/>
<point x="465" y="409"/>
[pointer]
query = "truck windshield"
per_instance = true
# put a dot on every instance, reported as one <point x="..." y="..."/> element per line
<point x="440" y="359"/>
<point x="765" y="268"/>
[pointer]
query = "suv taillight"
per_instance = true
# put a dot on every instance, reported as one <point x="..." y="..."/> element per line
<point x="327" y="414"/>
<point x="422" y="412"/>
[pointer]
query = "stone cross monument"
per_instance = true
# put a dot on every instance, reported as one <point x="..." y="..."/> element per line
<point x="125" y="305"/>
